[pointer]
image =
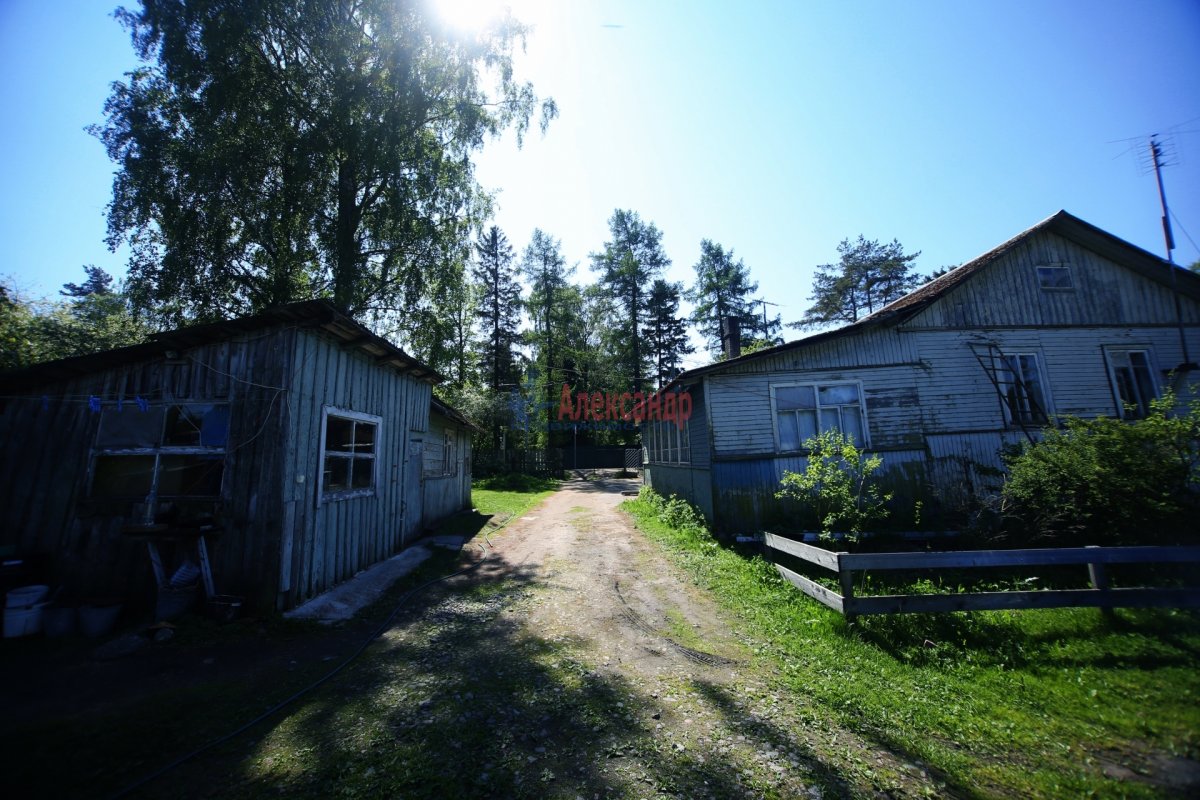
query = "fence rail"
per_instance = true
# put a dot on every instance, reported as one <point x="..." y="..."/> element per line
<point x="1096" y="558"/>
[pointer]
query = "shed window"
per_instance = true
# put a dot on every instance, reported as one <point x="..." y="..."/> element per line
<point x="1133" y="382"/>
<point x="348" y="454"/>
<point x="160" y="453"/>
<point x="804" y="410"/>
<point x="1055" y="277"/>
<point x="1021" y="386"/>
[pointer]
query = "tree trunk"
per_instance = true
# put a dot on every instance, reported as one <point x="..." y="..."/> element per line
<point x="345" y="279"/>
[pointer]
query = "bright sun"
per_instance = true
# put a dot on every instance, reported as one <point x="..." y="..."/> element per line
<point x="470" y="15"/>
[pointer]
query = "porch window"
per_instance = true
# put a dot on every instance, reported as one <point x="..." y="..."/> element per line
<point x="803" y="410"/>
<point x="161" y="452"/>
<point x="1133" y="382"/>
<point x="667" y="443"/>
<point x="348" y="454"/>
<point x="1022" y="388"/>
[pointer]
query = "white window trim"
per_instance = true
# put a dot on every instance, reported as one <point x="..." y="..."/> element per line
<point x="1151" y="363"/>
<point x="357" y="416"/>
<point x="862" y="405"/>
<point x="1047" y="399"/>
<point x="655" y="444"/>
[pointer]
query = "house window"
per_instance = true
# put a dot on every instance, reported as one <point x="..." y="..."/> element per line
<point x="1056" y="277"/>
<point x="804" y="410"/>
<point x="1133" y="382"/>
<point x="1021" y="386"/>
<point x="348" y="450"/>
<point x="160" y="452"/>
<point x="667" y="443"/>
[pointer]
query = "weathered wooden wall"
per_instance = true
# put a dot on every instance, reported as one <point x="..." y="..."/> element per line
<point x="445" y="494"/>
<point x="325" y="542"/>
<point x="932" y="411"/>
<point x="49" y="444"/>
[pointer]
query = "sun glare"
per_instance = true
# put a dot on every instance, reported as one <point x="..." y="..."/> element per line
<point x="470" y="15"/>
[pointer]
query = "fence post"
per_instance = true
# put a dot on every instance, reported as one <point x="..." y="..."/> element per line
<point x="846" y="578"/>
<point x="1098" y="575"/>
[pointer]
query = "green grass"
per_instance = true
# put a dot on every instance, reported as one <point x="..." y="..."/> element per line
<point x="512" y="498"/>
<point x="997" y="704"/>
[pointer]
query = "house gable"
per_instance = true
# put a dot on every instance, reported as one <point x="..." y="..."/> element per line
<point x="1098" y="290"/>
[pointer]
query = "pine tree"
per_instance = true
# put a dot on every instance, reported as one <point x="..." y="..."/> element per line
<point x="722" y="290"/>
<point x="552" y="304"/>
<point x="630" y="260"/>
<point x="495" y="273"/>
<point x="666" y="332"/>
<point x="868" y="276"/>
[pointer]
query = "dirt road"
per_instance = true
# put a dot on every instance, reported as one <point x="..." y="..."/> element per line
<point x="574" y="661"/>
<point x="651" y="691"/>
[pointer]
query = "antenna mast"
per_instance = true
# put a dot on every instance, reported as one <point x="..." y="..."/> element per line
<point x="1156" y="157"/>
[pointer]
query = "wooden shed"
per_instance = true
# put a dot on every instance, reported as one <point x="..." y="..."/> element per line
<point x="297" y="433"/>
<point x="446" y="469"/>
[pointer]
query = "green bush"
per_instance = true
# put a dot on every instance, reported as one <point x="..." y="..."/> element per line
<point x="837" y="488"/>
<point x="675" y="511"/>
<point x="1107" y="481"/>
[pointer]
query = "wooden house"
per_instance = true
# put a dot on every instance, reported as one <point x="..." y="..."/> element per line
<point x="297" y="433"/>
<point x="1063" y="319"/>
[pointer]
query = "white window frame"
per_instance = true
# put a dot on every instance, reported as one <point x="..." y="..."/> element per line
<point x="1046" y="401"/>
<point x="1070" y="287"/>
<point x="667" y="443"/>
<point x="356" y="416"/>
<point x="816" y="387"/>
<point x="1148" y="352"/>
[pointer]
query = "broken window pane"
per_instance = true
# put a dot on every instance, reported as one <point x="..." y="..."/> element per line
<point x="364" y="438"/>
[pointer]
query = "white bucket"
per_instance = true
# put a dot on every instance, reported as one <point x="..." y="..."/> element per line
<point x="23" y="621"/>
<point x="26" y="596"/>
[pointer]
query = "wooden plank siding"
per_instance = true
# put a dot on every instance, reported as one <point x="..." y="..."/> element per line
<point x="49" y="451"/>
<point x="334" y="539"/>
<point x="932" y="410"/>
<point x="449" y="492"/>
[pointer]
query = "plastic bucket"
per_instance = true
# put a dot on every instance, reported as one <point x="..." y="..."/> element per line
<point x="95" y="621"/>
<point x="22" y="621"/>
<point x="59" y="622"/>
<point x="26" y="596"/>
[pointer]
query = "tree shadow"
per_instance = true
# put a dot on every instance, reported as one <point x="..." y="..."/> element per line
<point x="460" y="699"/>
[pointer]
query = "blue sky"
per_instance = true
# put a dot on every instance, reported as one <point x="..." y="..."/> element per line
<point x="777" y="129"/>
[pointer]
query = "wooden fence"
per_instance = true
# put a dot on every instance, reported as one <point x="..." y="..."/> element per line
<point x="1101" y="595"/>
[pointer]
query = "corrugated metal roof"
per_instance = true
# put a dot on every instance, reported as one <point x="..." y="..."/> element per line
<point x="311" y="314"/>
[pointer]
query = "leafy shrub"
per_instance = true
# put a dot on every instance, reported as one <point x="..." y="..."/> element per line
<point x="674" y="511"/>
<point x="1107" y="481"/>
<point x="838" y="486"/>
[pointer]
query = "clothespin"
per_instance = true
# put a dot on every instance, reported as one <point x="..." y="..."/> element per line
<point x="143" y="404"/>
<point x="94" y="404"/>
